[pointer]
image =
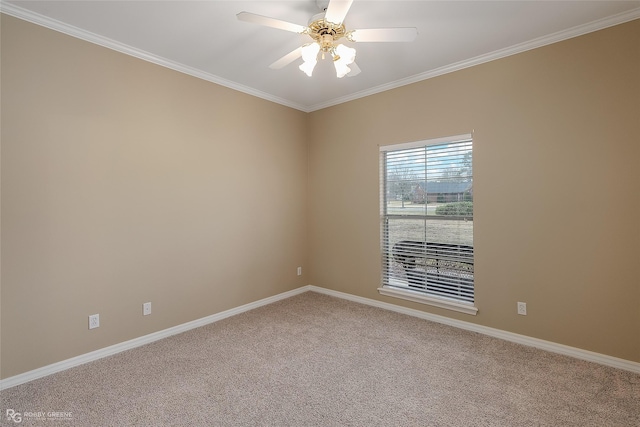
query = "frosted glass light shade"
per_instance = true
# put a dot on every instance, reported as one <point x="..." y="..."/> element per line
<point x="341" y="69"/>
<point x="347" y="54"/>
<point x="308" y="67"/>
<point x="343" y="57"/>
<point x="310" y="52"/>
<point x="310" y="57"/>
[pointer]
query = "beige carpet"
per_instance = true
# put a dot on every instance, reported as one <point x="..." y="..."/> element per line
<point x="314" y="360"/>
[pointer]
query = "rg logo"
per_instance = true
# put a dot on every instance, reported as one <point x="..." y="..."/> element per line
<point x="14" y="416"/>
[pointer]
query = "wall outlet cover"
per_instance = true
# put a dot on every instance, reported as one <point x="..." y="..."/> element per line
<point x="522" y="308"/>
<point x="94" y="321"/>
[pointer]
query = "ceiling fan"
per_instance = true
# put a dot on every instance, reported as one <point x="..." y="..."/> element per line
<point x="325" y="29"/>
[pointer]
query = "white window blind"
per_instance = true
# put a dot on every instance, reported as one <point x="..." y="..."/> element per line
<point x="427" y="218"/>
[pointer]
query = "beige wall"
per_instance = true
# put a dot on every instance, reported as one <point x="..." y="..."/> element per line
<point x="556" y="187"/>
<point x="124" y="182"/>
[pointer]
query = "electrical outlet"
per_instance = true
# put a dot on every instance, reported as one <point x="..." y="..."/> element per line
<point x="146" y="308"/>
<point x="94" y="321"/>
<point x="299" y="271"/>
<point x="522" y="308"/>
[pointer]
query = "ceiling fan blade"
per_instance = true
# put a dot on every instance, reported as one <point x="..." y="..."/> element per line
<point x="287" y="59"/>
<point x="385" y="35"/>
<point x="337" y="10"/>
<point x="270" y="22"/>
<point x="355" y="70"/>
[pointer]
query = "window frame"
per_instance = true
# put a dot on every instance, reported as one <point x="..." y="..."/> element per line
<point x="400" y="292"/>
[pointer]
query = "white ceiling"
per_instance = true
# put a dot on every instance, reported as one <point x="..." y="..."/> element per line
<point x="204" y="38"/>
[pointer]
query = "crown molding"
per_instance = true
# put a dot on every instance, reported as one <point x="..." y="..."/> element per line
<point x="35" y="18"/>
<point x="70" y="30"/>
<point x="579" y="30"/>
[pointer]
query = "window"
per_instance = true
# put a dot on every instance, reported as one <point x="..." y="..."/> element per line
<point x="427" y="222"/>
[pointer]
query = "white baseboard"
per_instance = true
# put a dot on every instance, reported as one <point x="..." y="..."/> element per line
<point x="146" y="339"/>
<point x="566" y="350"/>
<point x="137" y="342"/>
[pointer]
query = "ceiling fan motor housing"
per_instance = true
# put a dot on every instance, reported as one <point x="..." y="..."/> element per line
<point x="325" y="32"/>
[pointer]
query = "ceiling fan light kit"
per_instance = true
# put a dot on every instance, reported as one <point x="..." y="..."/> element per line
<point x="325" y="34"/>
<point x="326" y="29"/>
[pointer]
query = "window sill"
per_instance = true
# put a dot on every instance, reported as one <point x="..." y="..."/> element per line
<point x="421" y="298"/>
